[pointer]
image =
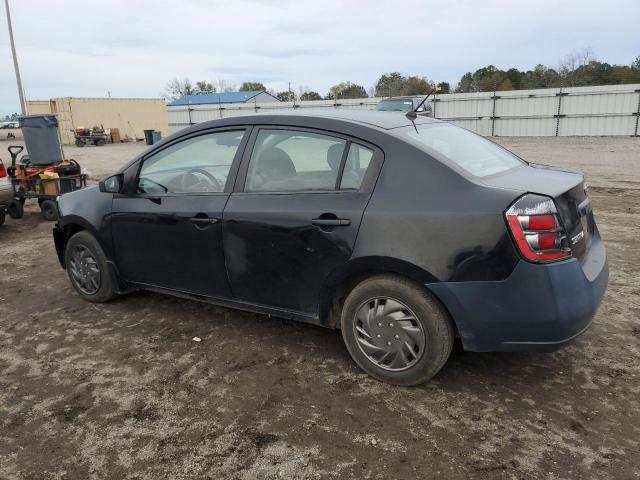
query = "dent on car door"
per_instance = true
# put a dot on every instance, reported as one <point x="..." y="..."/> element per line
<point x="168" y="233"/>
<point x="295" y="215"/>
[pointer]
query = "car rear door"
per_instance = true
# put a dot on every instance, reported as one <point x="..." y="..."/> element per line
<point x="294" y="214"/>
<point x="168" y="234"/>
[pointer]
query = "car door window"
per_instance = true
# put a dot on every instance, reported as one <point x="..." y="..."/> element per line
<point x="288" y="161"/>
<point x="197" y="165"/>
<point x="358" y="160"/>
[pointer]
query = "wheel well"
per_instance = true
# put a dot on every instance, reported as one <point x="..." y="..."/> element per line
<point x="331" y="308"/>
<point x="69" y="231"/>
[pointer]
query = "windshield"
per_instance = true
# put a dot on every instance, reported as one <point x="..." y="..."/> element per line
<point x="395" y="105"/>
<point x="473" y="153"/>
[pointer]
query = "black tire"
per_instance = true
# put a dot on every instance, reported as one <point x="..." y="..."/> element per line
<point x="16" y="208"/>
<point x="425" y="314"/>
<point x="79" y="143"/>
<point x="100" y="142"/>
<point x="105" y="290"/>
<point x="49" y="210"/>
<point x="3" y="216"/>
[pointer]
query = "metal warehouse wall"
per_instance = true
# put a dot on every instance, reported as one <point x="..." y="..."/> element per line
<point x="576" y="111"/>
<point x="130" y="115"/>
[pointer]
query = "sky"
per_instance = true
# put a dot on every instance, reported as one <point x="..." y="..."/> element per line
<point x="133" y="48"/>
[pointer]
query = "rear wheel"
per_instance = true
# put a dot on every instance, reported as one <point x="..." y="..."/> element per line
<point x="16" y="208"/>
<point x="396" y="331"/>
<point x="49" y="210"/>
<point x="3" y="216"/>
<point x="79" y="142"/>
<point x="100" y="142"/>
<point x="87" y="268"/>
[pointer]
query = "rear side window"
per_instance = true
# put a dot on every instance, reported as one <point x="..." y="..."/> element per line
<point x="293" y="161"/>
<point x="358" y="160"/>
<point x="473" y="153"/>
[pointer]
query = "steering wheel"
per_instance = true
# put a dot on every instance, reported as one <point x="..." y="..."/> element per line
<point x="193" y="174"/>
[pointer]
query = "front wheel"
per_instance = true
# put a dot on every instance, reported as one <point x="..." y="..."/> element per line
<point x="396" y="331"/>
<point x="87" y="268"/>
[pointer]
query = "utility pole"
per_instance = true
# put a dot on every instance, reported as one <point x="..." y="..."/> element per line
<point x="23" y="107"/>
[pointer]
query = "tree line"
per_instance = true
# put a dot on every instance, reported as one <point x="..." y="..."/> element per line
<point x="578" y="69"/>
<point x="389" y="84"/>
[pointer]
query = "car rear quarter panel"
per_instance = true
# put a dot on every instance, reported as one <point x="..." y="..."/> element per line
<point x="427" y="215"/>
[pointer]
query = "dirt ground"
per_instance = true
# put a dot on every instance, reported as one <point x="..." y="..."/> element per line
<point x="121" y="390"/>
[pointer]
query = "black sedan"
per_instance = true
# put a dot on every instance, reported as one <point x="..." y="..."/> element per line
<point x="404" y="232"/>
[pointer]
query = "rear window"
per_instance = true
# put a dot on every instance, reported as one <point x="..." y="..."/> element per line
<point x="473" y="153"/>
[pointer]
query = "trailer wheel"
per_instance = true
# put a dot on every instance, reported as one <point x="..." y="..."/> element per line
<point x="100" y="142"/>
<point x="16" y="208"/>
<point x="79" y="143"/>
<point x="49" y="210"/>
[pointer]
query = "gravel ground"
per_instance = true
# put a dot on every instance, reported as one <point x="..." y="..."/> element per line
<point x="121" y="389"/>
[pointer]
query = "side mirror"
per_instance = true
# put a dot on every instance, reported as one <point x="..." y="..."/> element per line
<point x="113" y="184"/>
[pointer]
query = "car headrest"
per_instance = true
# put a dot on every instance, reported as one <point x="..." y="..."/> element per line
<point x="275" y="162"/>
<point x="334" y="156"/>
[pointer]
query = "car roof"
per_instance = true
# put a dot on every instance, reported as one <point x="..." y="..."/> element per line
<point x="375" y="118"/>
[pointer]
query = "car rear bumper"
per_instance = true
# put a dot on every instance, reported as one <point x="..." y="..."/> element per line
<point x="537" y="308"/>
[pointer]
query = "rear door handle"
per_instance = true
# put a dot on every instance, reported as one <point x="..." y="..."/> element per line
<point x="331" y="222"/>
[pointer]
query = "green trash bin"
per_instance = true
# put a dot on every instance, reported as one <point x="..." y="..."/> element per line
<point x="148" y="137"/>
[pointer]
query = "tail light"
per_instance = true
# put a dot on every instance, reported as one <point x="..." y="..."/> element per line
<point x="536" y="229"/>
<point x="3" y="171"/>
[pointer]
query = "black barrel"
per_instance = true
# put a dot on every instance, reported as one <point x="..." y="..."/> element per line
<point x="148" y="137"/>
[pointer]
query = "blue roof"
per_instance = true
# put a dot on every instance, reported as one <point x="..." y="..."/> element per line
<point x="224" y="97"/>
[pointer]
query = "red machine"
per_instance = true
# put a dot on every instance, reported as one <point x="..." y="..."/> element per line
<point x="43" y="182"/>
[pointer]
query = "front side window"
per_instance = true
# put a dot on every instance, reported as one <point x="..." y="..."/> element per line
<point x="293" y="161"/>
<point x="473" y="153"/>
<point x="196" y="165"/>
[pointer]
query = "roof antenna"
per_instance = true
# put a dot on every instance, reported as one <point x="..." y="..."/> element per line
<point x="412" y="114"/>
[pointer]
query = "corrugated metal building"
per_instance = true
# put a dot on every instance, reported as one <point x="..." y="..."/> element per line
<point x="131" y="116"/>
<point x="597" y="110"/>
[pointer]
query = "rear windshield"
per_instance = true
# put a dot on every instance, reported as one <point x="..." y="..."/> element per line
<point x="395" y="105"/>
<point x="473" y="153"/>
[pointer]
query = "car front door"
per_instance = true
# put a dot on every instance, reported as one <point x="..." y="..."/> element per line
<point x="168" y="233"/>
<point x="294" y="214"/>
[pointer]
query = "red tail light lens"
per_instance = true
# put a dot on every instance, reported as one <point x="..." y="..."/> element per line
<point x="537" y="232"/>
<point x="3" y="171"/>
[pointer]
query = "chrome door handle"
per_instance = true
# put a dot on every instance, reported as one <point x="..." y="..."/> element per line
<point x="203" y="221"/>
<point x="331" y="222"/>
